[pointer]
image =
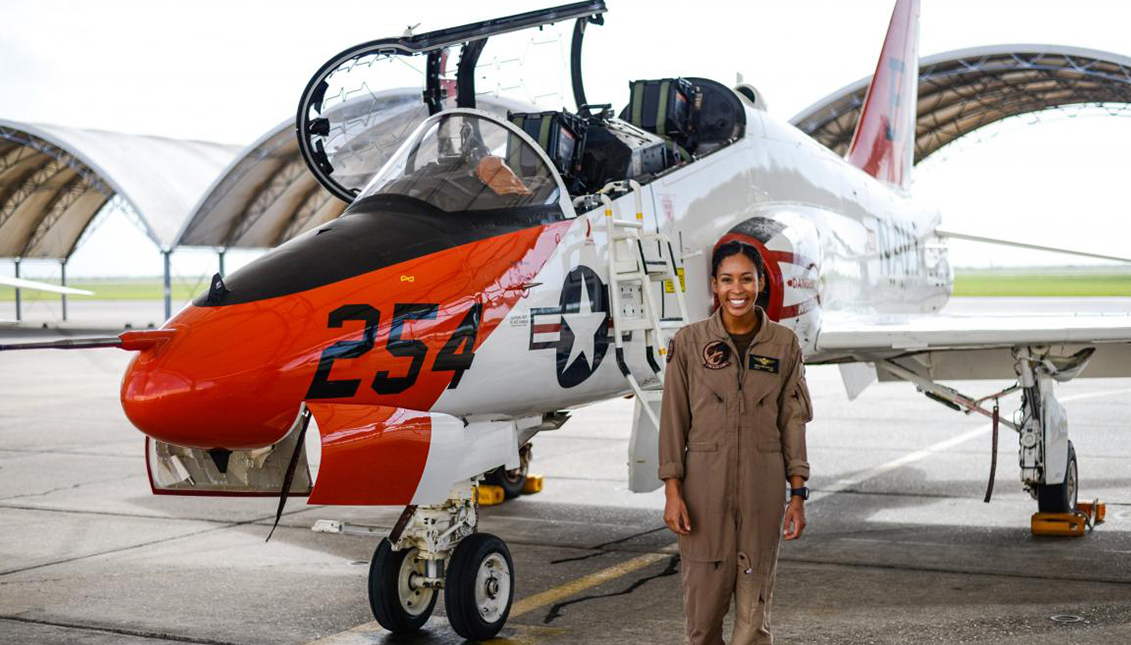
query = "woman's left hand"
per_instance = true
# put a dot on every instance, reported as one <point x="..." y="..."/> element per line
<point x="794" y="523"/>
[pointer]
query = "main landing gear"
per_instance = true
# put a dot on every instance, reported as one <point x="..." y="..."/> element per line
<point x="436" y="547"/>
<point x="512" y="481"/>
<point x="1049" y="470"/>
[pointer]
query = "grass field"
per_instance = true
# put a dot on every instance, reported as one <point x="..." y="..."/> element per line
<point x="1030" y="282"/>
<point x="1035" y="282"/>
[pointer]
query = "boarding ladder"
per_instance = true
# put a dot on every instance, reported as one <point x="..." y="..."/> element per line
<point x="629" y="270"/>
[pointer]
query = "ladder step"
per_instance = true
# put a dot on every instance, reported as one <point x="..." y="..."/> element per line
<point x="621" y="223"/>
<point x="672" y="323"/>
<point x="633" y="324"/>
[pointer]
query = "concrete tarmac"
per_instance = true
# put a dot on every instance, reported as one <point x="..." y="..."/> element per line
<point x="899" y="549"/>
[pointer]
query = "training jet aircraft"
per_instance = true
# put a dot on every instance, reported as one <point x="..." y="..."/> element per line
<point x="501" y="264"/>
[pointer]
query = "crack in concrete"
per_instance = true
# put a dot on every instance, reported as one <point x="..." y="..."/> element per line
<point x="70" y="487"/>
<point x="143" y="516"/>
<point x="142" y="544"/>
<point x="76" y="453"/>
<point x="555" y="611"/>
<point x="600" y="548"/>
<point x="963" y="572"/>
<point x="137" y="633"/>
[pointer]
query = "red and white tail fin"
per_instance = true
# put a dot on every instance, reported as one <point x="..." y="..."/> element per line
<point x="884" y="142"/>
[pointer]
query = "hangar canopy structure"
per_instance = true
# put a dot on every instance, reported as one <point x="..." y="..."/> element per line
<point x="963" y="90"/>
<point x="55" y="180"/>
<point x="263" y="198"/>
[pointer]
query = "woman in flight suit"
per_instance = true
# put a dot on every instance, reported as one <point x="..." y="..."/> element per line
<point x="732" y="430"/>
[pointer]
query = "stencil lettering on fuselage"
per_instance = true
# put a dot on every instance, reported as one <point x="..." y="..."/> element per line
<point x="577" y="329"/>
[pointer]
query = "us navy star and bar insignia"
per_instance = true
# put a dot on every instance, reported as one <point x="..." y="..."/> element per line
<point x="763" y="364"/>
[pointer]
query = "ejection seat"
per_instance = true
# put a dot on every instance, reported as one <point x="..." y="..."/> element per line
<point x="697" y="114"/>
<point x="560" y="134"/>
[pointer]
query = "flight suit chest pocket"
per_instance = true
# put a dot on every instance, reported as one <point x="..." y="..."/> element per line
<point x="761" y="392"/>
<point x="704" y="477"/>
<point x="708" y="407"/>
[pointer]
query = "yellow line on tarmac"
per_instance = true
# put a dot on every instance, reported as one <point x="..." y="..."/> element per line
<point x="568" y="589"/>
<point x="369" y="633"/>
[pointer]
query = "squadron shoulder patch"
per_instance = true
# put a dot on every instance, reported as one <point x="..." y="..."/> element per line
<point x="716" y="355"/>
<point x="671" y="350"/>
<point x="764" y="364"/>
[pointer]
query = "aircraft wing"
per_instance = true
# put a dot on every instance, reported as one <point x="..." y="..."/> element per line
<point x="958" y="347"/>
<point x="19" y="283"/>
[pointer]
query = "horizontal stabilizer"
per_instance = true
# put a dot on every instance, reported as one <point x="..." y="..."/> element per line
<point x="956" y="235"/>
<point x="19" y="283"/>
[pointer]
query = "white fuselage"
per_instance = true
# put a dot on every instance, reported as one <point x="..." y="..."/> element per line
<point x="860" y="246"/>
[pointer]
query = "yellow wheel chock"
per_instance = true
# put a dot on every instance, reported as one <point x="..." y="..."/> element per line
<point x="489" y="495"/>
<point x="533" y="485"/>
<point x="1075" y="524"/>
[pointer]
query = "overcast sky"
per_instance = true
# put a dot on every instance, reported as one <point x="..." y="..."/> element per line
<point x="230" y="71"/>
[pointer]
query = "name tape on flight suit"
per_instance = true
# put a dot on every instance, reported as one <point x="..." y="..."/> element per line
<point x="763" y="364"/>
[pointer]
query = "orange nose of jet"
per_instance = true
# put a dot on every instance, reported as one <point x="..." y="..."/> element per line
<point x="214" y="383"/>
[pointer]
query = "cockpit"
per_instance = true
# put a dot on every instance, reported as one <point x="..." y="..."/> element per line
<point x="468" y="163"/>
<point x="458" y="163"/>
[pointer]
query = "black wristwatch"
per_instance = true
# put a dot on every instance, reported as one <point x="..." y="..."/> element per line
<point x="802" y="492"/>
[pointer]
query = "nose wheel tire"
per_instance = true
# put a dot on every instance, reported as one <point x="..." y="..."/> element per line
<point x="398" y="604"/>
<point x="1061" y="498"/>
<point x="479" y="587"/>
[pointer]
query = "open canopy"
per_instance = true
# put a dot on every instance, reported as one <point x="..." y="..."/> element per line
<point x="340" y="102"/>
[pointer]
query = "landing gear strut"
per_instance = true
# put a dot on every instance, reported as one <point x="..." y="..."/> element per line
<point x="1047" y="459"/>
<point x="512" y="481"/>
<point x="408" y="570"/>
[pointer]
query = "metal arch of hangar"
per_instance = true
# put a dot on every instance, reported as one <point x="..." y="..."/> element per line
<point x="963" y="90"/>
<point x="54" y="181"/>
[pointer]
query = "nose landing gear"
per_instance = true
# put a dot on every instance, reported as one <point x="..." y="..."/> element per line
<point x="408" y="570"/>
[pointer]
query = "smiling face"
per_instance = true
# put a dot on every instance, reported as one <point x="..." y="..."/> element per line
<point x="735" y="284"/>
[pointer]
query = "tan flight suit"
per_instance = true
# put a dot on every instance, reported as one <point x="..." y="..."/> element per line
<point x="732" y="430"/>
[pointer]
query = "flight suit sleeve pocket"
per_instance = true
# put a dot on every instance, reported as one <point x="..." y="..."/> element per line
<point x="803" y="396"/>
<point x="702" y="446"/>
<point x="769" y="446"/>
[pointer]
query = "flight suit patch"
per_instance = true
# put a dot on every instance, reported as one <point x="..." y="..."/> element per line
<point x="671" y="350"/>
<point x="764" y="364"/>
<point x="716" y="355"/>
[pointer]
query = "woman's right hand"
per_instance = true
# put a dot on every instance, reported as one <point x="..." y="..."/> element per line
<point x="675" y="511"/>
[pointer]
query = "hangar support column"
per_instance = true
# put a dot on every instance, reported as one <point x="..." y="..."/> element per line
<point x="63" y="281"/>
<point x="18" y="313"/>
<point x="168" y="285"/>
